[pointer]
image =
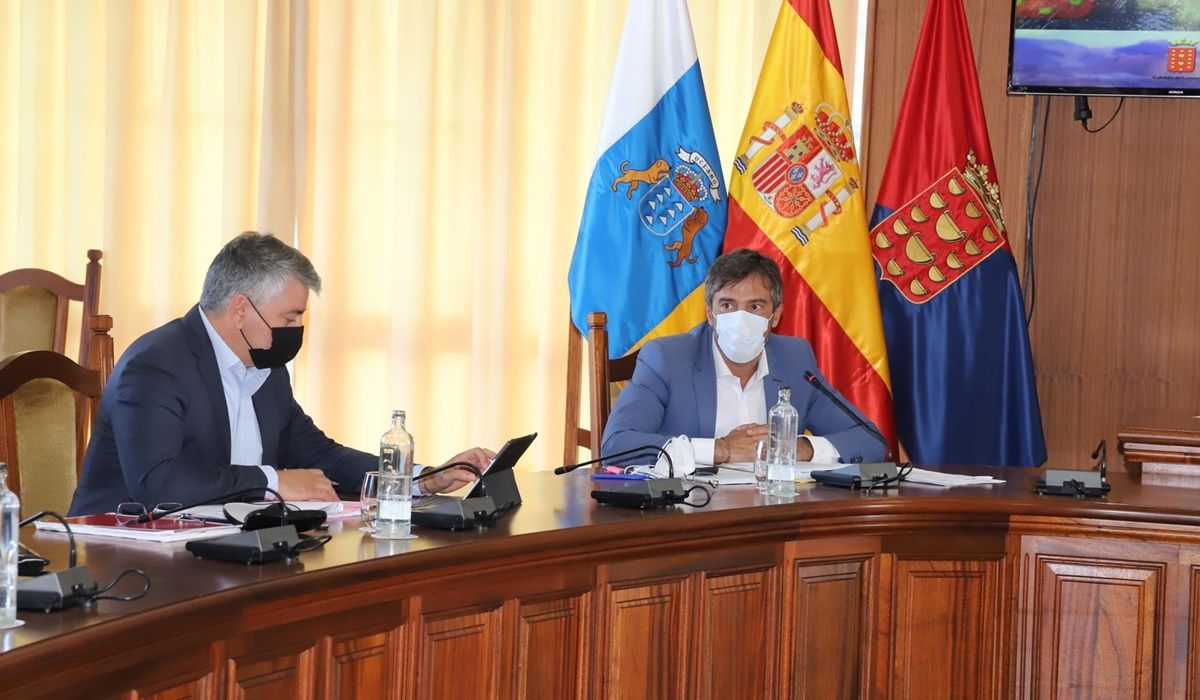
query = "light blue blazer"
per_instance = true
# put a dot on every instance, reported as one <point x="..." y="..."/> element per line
<point x="674" y="392"/>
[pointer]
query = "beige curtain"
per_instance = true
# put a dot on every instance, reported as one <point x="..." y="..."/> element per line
<point x="430" y="157"/>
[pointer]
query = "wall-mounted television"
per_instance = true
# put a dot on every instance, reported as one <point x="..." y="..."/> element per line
<point x="1105" y="47"/>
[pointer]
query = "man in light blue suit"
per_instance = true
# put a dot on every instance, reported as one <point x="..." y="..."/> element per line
<point x="717" y="382"/>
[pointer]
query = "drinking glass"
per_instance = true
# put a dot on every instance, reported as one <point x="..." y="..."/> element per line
<point x="393" y="515"/>
<point x="760" y="465"/>
<point x="368" y="501"/>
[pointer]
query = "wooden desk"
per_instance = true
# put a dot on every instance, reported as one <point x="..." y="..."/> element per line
<point x="1162" y="441"/>
<point x="975" y="592"/>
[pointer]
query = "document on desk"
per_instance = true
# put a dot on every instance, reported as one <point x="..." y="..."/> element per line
<point x="731" y="475"/>
<point x="924" y="476"/>
<point x="734" y="474"/>
<point x="165" y="529"/>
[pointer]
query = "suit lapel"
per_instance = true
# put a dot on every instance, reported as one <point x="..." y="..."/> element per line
<point x="206" y="362"/>
<point x="704" y="383"/>
<point x="268" y="420"/>
<point x="771" y="382"/>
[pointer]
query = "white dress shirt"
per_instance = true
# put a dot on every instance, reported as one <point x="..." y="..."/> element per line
<point x="240" y="383"/>
<point x="738" y="405"/>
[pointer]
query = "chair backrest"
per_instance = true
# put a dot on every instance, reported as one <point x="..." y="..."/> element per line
<point x="603" y="373"/>
<point x="47" y="405"/>
<point x="34" y="304"/>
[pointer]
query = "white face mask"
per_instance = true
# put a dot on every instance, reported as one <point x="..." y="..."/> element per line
<point x="741" y="335"/>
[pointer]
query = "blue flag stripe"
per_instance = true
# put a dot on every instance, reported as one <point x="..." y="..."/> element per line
<point x="962" y="372"/>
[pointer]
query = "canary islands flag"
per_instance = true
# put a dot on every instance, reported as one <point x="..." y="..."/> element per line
<point x="953" y="313"/>
<point x="796" y="196"/>
<point x="655" y="209"/>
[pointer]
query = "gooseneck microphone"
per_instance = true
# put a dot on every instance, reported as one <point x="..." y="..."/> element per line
<point x="887" y="447"/>
<point x="567" y="468"/>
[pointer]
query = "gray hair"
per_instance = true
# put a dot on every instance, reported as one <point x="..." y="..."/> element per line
<point x="258" y="265"/>
<point x="743" y="263"/>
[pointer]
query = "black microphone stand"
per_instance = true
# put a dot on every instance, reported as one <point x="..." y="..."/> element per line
<point x="567" y="468"/>
<point x="887" y="447"/>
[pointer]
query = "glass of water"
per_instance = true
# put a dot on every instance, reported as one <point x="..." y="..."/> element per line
<point x="393" y="516"/>
<point x="760" y="465"/>
<point x="368" y="501"/>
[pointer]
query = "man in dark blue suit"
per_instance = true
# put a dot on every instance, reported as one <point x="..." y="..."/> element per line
<point x="717" y="382"/>
<point x="203" y="406"/>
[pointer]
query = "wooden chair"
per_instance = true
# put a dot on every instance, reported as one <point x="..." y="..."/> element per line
<point x="47" y="405"/>
<point x="33" y="309"/>
<point x="602" y="374"/>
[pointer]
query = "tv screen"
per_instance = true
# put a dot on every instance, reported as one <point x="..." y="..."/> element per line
<point x="1105" y="47"/>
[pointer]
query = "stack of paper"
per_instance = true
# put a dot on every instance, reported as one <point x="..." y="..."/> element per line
<point x="923" y="476"/>
<point x="166" y="529"/>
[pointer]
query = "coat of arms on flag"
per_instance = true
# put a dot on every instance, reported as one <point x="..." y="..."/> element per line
<point x="939" y="235"/>
<point x="675" y="198"/>
<point x="794" y="163"/>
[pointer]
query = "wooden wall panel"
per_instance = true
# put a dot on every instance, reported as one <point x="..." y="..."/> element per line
<point x="282" y="672"/>
<point x="947" y="626"/>
<point x="460" y="654"/>
<point x="552" y="647"/>
<point x="1193" y="632"/>
<point x="197" y="689"/>
<point x="737" y="635"/>
<point x="1098" y="619"/>
<point x="1096" y="627"/>
<point x="647" y="639"/>
<point x="829" y="627"/>
<point x="1117" y="320"/>
<point x="191" y="674"/>
<point x="360" y="665"/>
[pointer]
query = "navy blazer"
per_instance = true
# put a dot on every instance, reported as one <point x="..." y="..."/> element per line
<point x="162" y="434"/>
<point x="674" y="392"/>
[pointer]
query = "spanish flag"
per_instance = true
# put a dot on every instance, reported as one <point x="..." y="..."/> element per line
<point x="796" y="196"/>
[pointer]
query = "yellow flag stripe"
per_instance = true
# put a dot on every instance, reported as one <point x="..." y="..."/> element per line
<point x="682" y="318"/>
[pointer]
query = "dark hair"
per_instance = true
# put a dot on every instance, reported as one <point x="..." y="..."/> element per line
<point x="258" y="265"/>
<point x="740" y="264"/>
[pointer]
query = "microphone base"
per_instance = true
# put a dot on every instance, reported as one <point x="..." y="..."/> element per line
<point x="252" y="547"/>
<point x="57" y="590"/>
<point x="859" y="476"/>
<point x="1067" y="482"/>
<point x="453" y="513"/>
<point x="640" y="493"/>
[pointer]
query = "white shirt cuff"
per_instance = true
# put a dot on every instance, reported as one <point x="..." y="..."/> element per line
<point x="272" y="477"/>
<point x="704" y="449"/>
<point x="823" y="450"/>
<point x="416" y="485"/>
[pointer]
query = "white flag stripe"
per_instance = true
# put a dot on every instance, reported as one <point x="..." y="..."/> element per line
<point x="646" y="65"/>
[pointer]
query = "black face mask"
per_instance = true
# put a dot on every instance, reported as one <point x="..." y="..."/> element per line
<point x="285" y="343"/>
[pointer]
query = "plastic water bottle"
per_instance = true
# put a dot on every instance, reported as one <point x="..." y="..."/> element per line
<point x="394" y="517"/>
<point x="10" y="518"/>
<point x="783" y="423"/>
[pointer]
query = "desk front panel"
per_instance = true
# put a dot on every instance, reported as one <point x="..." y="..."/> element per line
<point x="987" y="592"/>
